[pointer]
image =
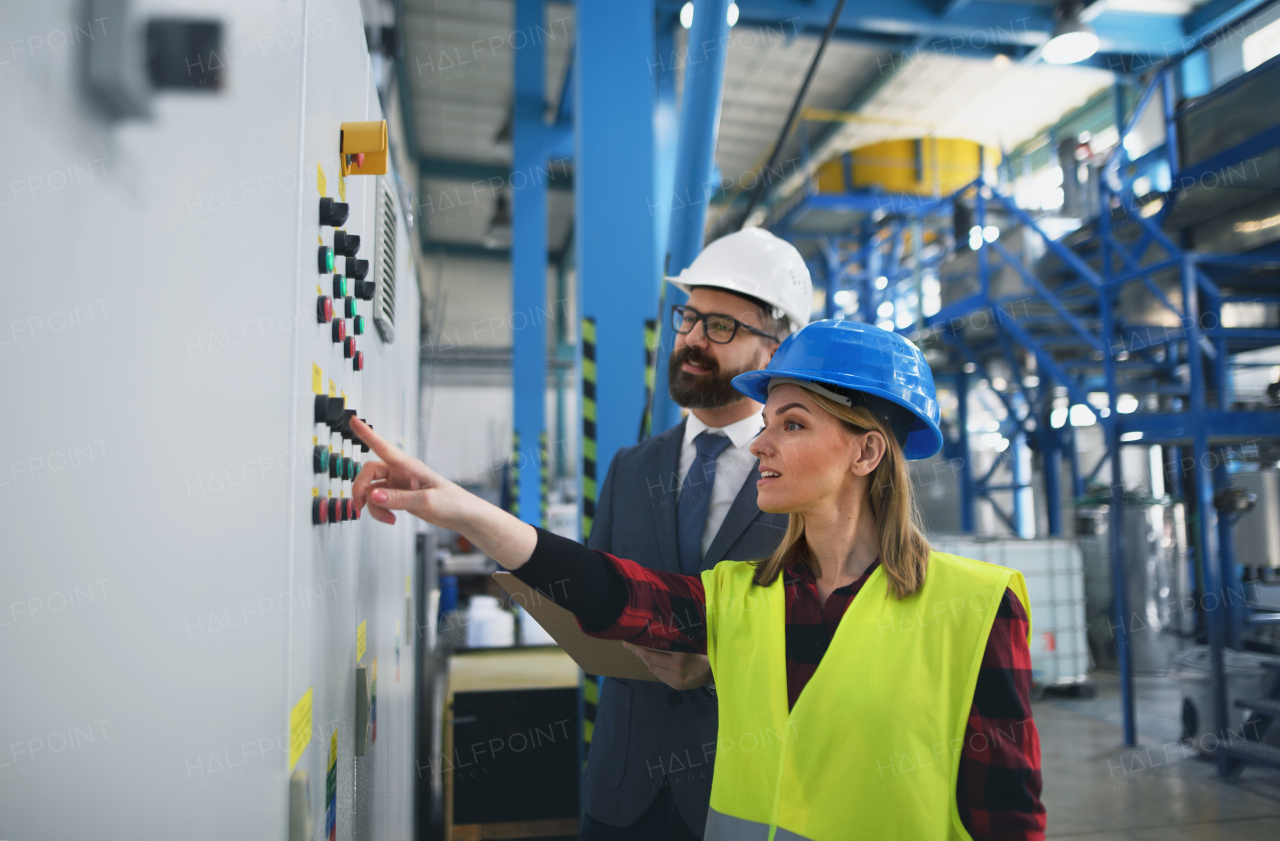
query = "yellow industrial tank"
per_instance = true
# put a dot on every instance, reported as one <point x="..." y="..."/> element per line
<point x="920" y="166"/>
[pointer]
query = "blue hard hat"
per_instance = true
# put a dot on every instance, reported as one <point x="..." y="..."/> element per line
<point x="853" y="358"/>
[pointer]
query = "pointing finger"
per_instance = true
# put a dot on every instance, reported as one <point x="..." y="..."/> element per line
<point x="385" y="450"/>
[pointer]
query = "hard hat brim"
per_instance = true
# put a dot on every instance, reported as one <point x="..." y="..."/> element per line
<point x="923" y="440"/>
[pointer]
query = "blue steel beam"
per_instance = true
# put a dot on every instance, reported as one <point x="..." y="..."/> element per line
<point x="529" y="263"/>
<point x="699" y="124"/>
<point x="615" y="242"/>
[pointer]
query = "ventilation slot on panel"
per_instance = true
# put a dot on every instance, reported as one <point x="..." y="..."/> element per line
<point x="384" y="265"/>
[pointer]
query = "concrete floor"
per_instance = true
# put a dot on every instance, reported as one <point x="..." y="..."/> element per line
<point x="1097" y="790"/>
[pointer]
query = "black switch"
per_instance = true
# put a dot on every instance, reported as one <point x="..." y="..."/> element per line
<point x="182" y="54"/>
<point x="364" y="448"/>
<point x="344" y="425"/>
<point x="333" y="414"/>
<point x="364" y="289"/>
<point x="322" y="408"/>
<point x="333" y="213"/>
<point x="357" y="268"/>
<point x="345" y="244"/>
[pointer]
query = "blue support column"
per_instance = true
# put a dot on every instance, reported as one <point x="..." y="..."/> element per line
<point x="1051" y="456"/>
<point x="1206" y="544"/>
<point x="1119" y="587"/>
<point x="699" y="122"/>
<point x="967" y="500"/>
<point x="529" y="259"/>
<point x="614" y="202"/>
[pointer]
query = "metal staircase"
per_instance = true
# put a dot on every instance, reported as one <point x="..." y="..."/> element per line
<point x="1123" y="315"/>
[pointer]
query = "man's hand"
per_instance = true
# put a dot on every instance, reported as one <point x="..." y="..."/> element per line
<point x="675" y="669"/>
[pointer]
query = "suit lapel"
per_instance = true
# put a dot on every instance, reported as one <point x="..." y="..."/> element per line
<point x="740" y="515"/>
<point x="664" y="486"/>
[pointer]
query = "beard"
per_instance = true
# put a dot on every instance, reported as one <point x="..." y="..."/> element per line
<point x="712" y="390"/>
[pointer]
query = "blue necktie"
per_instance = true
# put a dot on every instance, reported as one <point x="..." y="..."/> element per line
<point x="695" y="499"/>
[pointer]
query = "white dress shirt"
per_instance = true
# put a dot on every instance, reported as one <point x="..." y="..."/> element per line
<point x="732" y="466"/>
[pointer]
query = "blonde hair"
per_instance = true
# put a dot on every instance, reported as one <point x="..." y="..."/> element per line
<point x="904" y="551"/>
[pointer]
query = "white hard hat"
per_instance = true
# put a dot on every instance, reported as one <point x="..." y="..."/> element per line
<point x="755" y="262"/>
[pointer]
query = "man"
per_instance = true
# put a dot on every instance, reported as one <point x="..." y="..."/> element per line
<point x="683" y="501"/>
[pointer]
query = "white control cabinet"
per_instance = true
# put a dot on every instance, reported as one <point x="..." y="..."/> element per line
<point x="177" y="637"/>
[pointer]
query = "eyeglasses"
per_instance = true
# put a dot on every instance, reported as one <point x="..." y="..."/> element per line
<point x="716" y="327"/>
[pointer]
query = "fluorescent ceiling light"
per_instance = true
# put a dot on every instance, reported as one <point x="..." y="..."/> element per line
<point x="686" y="14"/>
<point x="1072" y="40"/>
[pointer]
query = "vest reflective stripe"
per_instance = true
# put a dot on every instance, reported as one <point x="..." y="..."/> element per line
<point x="722" y="827"/>
<point x="872" y="747"/>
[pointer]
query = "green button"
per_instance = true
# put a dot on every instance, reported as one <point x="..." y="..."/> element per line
<point x="328" y="259"/>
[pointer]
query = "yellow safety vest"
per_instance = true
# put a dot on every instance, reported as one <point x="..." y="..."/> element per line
<point x="872" y="747"/>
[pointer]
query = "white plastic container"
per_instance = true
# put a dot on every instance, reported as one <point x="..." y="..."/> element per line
<point x="488" y="625"/>
<point x="531" y="633"/>
<point x="1054" y="572"/>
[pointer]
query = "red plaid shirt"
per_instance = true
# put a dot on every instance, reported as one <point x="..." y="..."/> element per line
<point x="998" y="790"/>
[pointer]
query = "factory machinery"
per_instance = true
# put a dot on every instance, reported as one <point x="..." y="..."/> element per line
<point x="1163" y="300"/>
<point x="211" y="275"/>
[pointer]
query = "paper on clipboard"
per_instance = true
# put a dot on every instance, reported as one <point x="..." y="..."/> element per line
<point x="595" y="656"/>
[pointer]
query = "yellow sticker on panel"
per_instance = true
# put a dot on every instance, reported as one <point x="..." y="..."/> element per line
<point x="317" y="379"/>
<point x="333" y="389"/>
<point x="361" y="639"/>
<point x="322" y="183"/>
<point x="342" y="187"/>
<point x="299" y="728"/>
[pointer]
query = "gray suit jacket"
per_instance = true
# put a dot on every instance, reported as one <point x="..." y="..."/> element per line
<point x="645" y="730"/>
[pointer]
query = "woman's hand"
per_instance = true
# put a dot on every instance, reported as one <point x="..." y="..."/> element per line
<point x="400" y="482"/>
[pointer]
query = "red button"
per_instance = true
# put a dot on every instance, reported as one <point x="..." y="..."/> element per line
<point x="319" y="512"/>
<point x="333" y="510"/>
<point x="351" y="509"/>
<point x="349" y="347"/>
<point x="324" y="309"/>
<point x="339" y="331"/>
<point x="356" y="515"/>
<point x="357" y="362"/>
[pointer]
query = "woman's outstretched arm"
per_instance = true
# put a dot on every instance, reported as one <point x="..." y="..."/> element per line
<point x="612" y="597"/>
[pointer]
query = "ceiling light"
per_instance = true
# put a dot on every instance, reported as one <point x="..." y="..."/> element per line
<point x="1072" y="40"/>
<point x="991" y="233"/>
<point x="686" y="15"/>
<point x="843" y="297"/>
<point x="885" y="309"/>
<point x="882" y="282"/>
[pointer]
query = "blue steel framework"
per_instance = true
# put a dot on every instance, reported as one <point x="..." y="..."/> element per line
<point x="1081" y="340"/>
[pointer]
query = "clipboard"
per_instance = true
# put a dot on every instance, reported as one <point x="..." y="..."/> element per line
<point x="595" y="656"/>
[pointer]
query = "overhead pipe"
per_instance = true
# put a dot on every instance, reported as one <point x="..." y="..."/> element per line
<point x="763" y="181"/>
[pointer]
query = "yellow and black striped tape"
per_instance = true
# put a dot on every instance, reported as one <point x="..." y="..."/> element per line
<point x="546" y="476"/>
<point x="650" y="365"/>
<point x="588" y="425"/>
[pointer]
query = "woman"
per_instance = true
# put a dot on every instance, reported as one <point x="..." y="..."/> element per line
<point x="862" y="725"/>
